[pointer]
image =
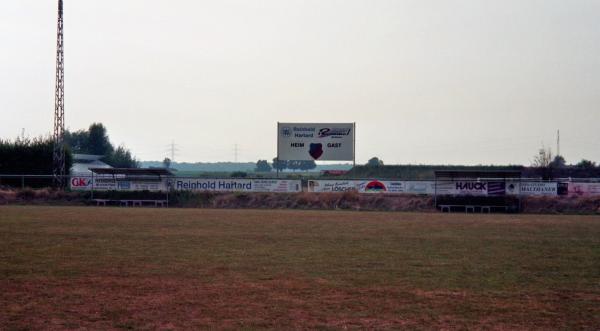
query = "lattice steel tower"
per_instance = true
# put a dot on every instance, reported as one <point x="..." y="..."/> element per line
<point x="58" y="158"/>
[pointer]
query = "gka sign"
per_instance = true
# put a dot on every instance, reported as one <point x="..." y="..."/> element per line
<point x="81" y="183"/>
<point x="315" y="141"/>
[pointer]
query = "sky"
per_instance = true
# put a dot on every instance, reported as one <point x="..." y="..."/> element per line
<point x="427" y="82"/>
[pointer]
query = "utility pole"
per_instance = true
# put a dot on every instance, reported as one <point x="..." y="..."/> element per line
<point x="235" y="153"/>
<point x="557" y="142"/>
<point x="172" y="149"/>
<point x="58" y="155"/>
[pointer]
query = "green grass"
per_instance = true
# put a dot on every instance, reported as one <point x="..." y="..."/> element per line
<point x="389" y="270"/>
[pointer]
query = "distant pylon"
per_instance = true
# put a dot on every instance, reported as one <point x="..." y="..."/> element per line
<point x="58" y="156"/>
<point x="557" y="142"/>
<point x="235" y="153"/>
<point x="172" y="149"/>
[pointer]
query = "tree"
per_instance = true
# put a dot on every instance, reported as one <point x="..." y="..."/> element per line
<point x="167" y="163"/>
<point x="374" y="162"/>
<point x="558" y="162"/>
<point x="239" y="174"/>
<point x="26" y="156"/>
<point x="98" y="143"/>
<point x="586" y="164"/>
<point x="543" y="159"/>
<point x="263" y="166"/>
<point x="122" y="158"/>
<point x="294" y="164"/>
<point x="307" y="165"/>
<point x="78" y="141"/>
<point x="279" y="164"/>
<point x="95" y="141"/>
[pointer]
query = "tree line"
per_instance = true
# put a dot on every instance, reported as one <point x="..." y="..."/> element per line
<point x="302" y="165"/>
<point x="25" y="156"/>
<point x="33" y="156"/>
<point x="95" y="141"/>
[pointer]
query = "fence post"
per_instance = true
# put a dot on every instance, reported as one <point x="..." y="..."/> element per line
<point x="92" y="186"/>
<point x="23" y="182"/>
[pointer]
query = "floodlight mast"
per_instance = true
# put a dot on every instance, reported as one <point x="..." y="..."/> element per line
<point x="58" y="155"/>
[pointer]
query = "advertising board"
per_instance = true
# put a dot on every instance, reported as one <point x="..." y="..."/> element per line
<point x="80" y="183"/>
<point x="203" y="184"/>
<point x="526" y="188"/>
<point x="276" y="185"/>
<point x="235" y="185"/>
<point x="109" y="183"/>
<point x="315" y="141"/>
<point x="584" y="189"/>
<point x="370" y="186"/>
<point x="462" y="187"/>
<point x="513" y="188"/>
<point x="539" y="188"/>
<point x="420" y="187"/>
<point x="145" y="185"/>
<point x="380" y="186"/>
<point x="331" y="185"/>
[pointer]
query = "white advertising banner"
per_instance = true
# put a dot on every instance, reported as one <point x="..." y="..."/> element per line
<point x="372" y="186"/>
<point x="315" y="141"/>
<point x="126" y="185"/>
<point x="203" y="184"/>
<point x="462" y="188"/>
<point x="513" y="188"/>
<point x="81" y="183"/>
<point x="539" y="188"/>
<point x="105" y="184"/>
<point x="331" y="185"/>
<point x="420" y="187"/>
<point x="276" y="185"/>
<point x="109" y="183"/>
<point x="236" y="185"/>
<point x="584" y="189"/>
<point x="380" y="186"/>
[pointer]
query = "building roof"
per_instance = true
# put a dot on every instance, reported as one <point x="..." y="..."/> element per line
<point x="86" y="157"/>
<point x="474" y="174"/>
<point x="83" y="168"/>
<point x="133" y="171"/>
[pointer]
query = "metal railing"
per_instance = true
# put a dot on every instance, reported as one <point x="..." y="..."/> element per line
<point x="46" y="181"/>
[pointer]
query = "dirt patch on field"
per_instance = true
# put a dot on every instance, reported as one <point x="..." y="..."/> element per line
<point x="109" y="302"/>
<point x="304" y="200"/>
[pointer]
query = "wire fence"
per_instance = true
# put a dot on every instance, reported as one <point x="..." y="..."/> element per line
<point x="100" y="182"/>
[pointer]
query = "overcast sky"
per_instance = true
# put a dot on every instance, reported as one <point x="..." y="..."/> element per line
<point x="444" y="82"/>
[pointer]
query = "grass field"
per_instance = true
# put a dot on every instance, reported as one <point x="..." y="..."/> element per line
<point x="111" y="268"/>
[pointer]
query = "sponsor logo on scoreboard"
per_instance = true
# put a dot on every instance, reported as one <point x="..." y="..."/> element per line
<point x="315" y="150"/>
<point x="334" y="133"/>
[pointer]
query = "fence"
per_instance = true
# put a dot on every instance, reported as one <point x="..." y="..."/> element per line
<point x="524" y="186"/>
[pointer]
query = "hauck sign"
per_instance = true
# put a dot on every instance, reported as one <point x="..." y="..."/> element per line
<point x="315" y="141"/>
